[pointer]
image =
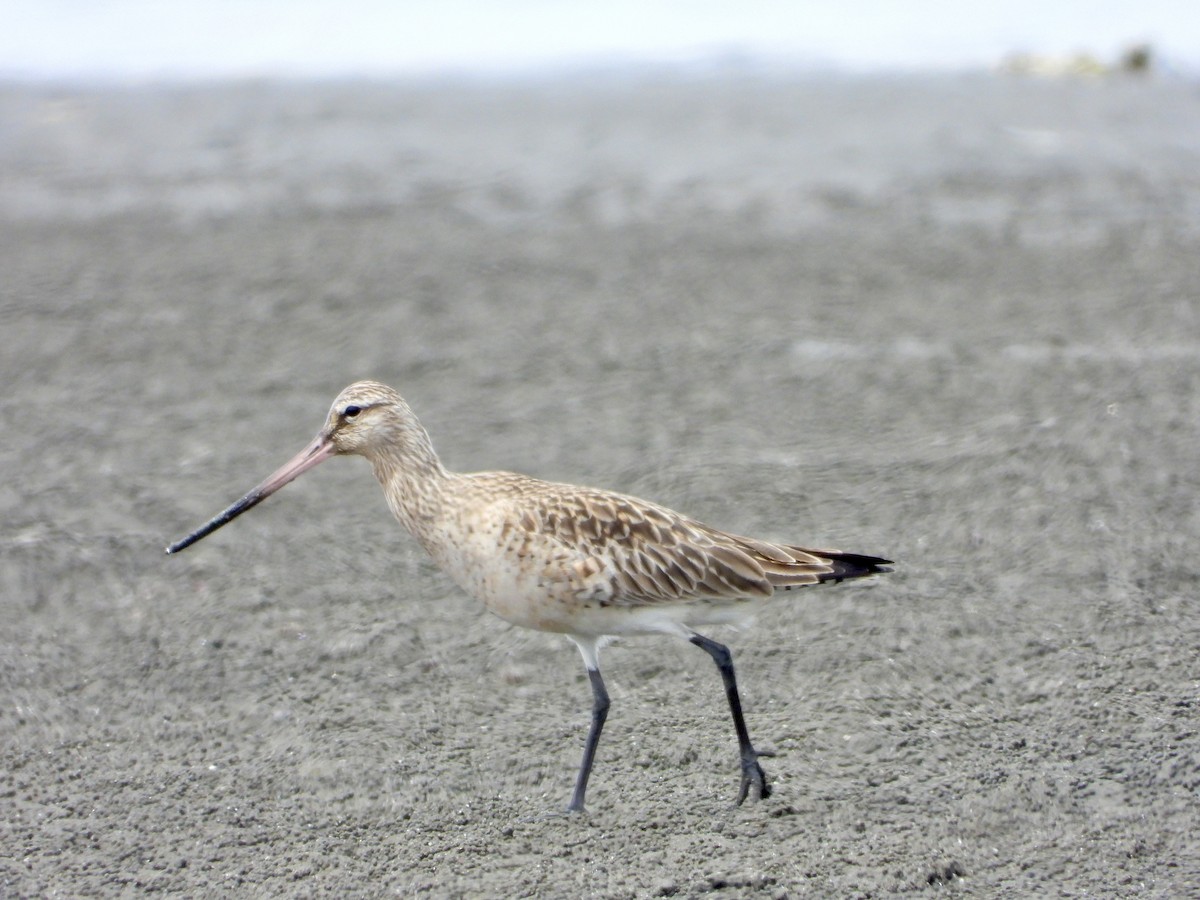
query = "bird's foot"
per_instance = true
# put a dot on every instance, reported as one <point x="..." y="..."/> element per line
<point x="550" y="815"/>
<point x="754" y="779"/>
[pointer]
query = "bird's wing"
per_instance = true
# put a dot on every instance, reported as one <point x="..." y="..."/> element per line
<point x="651" y="554"/>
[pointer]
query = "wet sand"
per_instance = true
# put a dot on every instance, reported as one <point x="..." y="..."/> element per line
<point x="950" y="320"/>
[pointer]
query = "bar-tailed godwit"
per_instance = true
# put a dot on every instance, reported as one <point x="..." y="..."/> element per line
<point x="582" y="562"/>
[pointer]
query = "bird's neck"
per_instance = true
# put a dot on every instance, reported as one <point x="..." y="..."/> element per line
<point x="413" y="481"/>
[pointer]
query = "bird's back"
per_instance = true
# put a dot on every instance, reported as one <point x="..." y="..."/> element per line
<point x="555" y="554"/>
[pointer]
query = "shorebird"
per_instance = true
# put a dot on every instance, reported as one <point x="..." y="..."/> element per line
<point x="587" y="563"/>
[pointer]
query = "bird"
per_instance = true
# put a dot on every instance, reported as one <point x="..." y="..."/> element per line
<point x="586" y="563"/>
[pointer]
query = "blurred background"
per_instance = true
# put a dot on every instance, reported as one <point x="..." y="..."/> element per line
<point x="910" y="279"/>
<point x="320" y="38"/>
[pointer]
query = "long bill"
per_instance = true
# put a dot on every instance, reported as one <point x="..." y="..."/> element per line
<point x="318" y="451"/>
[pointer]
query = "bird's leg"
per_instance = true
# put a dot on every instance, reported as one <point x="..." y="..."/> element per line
<point x="599" y="714"/>
<point x="753" y="777"/>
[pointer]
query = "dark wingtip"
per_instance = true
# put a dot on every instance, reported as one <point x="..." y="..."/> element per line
<point x="855" y="565"/>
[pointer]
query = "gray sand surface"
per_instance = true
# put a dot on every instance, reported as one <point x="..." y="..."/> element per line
<point x="954" y="321"/>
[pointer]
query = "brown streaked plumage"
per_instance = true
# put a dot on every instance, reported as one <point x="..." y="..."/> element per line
<point x="583" y="562"/>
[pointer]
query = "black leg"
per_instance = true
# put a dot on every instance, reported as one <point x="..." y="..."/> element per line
<point x="599" y="714"/>
<point x="753" y="776"/>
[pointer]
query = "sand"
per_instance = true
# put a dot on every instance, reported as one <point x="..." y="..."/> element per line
<point x="951" y="320"/>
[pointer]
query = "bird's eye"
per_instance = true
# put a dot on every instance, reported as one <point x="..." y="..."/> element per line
<point x="351" y="412"/>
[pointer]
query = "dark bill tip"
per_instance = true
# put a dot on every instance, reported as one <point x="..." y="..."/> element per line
<point x="320" y="449"/>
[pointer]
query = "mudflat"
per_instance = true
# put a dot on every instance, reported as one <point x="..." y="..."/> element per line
<point x="948" y="320"/>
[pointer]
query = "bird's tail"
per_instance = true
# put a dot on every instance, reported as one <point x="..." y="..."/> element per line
<point x="851" y="565"/>
<point x="786" y="567"/>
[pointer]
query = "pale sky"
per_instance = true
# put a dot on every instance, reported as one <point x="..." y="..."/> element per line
<point x="221" y="38"/>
